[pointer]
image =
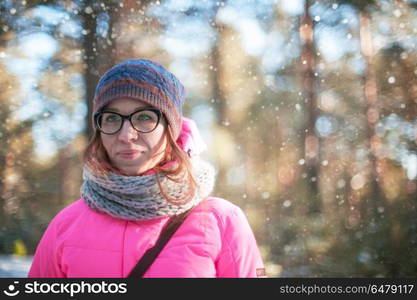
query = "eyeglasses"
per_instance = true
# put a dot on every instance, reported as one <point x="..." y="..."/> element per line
<point x="144" y="120"/>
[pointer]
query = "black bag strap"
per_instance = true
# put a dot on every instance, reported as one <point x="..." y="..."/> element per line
<point x="150" y="255"/>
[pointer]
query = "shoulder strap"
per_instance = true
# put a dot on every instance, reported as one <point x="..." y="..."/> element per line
<point x="150" y="255"/>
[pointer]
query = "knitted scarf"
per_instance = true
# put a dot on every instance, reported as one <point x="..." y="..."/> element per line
<point x="139" y="197"/>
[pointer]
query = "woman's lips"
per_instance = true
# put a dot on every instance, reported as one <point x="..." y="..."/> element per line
<point x="129" y="154"/>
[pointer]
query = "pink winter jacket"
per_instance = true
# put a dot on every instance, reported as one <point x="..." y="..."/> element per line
<point x="214" y="241"/>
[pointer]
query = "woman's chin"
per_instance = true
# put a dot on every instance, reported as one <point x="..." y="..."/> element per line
<point x="131" y="169"/>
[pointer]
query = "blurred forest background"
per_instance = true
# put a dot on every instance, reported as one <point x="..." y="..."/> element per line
<point x="309" y="110"/>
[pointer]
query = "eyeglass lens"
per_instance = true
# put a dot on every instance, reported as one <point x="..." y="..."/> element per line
<point x="143" y="121"/>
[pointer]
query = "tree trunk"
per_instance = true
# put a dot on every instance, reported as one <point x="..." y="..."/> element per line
<point x="372" y="112"/>
<point x="309" y="88"/>
<point x="98" y="55"/>
<point x="217" y="94"/>
<point x="90" y="63"/>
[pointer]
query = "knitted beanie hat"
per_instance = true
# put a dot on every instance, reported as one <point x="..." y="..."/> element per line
<point x="145" y="80"/>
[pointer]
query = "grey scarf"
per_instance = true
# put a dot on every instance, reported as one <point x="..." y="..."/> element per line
<point x="139" y="197"/>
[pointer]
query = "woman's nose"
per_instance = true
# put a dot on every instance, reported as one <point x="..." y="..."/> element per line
<point x="127" y="132"/>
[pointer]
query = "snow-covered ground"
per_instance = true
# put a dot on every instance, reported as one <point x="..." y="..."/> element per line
<point x="14" y="266"/>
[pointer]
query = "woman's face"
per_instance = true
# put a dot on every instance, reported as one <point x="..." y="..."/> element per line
<point x="129" y="150"/>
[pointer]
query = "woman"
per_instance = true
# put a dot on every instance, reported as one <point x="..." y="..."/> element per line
<point x="142" y="168"/>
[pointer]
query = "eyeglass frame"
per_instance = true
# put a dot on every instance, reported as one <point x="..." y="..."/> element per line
<point x="127" y="117"/>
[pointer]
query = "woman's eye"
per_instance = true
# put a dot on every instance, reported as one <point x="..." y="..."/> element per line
<point x="111" y="119"/>
<point x="143" y="117"/>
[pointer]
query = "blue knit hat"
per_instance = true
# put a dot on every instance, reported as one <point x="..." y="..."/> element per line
<point x="145" y="80"/>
